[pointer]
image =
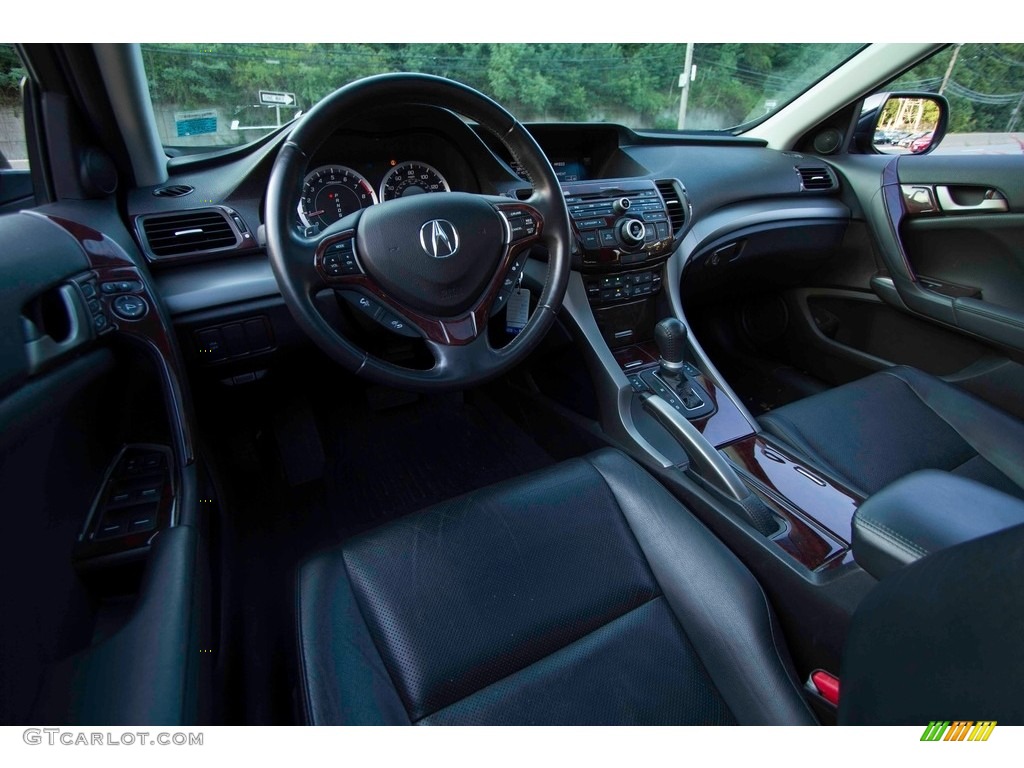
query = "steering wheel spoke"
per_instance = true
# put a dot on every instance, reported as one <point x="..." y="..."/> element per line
<point x="460" y="362"/>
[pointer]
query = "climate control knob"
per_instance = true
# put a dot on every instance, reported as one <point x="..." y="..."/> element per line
<point x="632" y="232"/>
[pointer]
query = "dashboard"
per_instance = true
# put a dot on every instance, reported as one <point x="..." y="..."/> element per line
<point x="727" y="183"/>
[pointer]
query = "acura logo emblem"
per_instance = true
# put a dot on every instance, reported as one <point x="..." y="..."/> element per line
<point x="439" y="238"/>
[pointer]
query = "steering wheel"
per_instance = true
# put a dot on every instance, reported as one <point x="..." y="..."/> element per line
<point x="434" y="265"/>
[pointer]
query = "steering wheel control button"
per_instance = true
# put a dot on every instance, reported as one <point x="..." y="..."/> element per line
<point x="121" y="286"/>
<point x="522" y="223"/>
<point x="369" y="307"/>
<point x="340" y="259"/>
<point x="377" y="312"/>
<point x="129" y="307"/>
<point x="397" y="325"/>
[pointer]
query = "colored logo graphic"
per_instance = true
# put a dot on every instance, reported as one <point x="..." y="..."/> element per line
<point x="959" y="730"/>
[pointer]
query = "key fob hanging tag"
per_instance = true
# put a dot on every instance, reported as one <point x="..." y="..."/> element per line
<point x="517" y="312"/>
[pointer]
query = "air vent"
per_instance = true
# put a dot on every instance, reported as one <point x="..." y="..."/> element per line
<point x="174" y="190"/>
<point x="675" y="203"/>
<point x="188" y="233"/>
<point x="816" y="178"/>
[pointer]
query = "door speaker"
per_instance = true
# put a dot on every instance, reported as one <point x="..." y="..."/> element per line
<point x="828" y="141"/>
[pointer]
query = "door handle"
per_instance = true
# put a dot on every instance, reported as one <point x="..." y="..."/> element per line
<point x="41" y="348"/>
<point x="947" y="203"/>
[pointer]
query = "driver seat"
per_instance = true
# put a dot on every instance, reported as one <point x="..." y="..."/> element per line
<point x="581" y="594"/>
<point x="587" y="594"/>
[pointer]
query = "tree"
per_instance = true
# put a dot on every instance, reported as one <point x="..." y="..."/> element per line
<point x="11" y="74"/>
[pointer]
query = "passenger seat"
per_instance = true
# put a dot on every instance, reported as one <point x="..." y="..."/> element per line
<point x="873" y="431"/>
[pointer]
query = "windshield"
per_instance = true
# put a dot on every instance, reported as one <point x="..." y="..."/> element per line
<point x="230" y="94"/>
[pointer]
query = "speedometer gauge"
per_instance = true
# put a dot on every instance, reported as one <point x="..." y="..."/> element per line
<point x="412" y="178"/>
<point x="332" y="192"/>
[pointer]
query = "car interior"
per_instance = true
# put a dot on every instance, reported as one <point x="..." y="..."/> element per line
<point x="613" y="426"/>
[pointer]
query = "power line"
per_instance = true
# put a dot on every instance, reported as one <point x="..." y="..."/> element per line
<point x="991" y="99"/>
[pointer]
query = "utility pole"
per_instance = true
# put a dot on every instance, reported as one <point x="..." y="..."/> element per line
<point x="684" y="82"/>
<point x="949" y="69"/>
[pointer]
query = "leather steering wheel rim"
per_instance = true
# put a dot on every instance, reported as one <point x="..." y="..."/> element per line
<point x="462" y="353"/>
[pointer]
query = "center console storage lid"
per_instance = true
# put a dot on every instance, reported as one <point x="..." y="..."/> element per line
<point x="924" y="512"/>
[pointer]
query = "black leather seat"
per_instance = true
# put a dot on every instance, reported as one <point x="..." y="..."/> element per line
<point x="887" y="425"/>
<point x="584" y="593"/>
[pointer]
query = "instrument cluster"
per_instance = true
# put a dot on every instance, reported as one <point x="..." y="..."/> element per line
<point x="331" y="192"/>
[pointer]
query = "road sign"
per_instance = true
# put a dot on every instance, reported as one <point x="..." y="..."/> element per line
<point x="276" y="98"/>
<point x="194" y="123"/>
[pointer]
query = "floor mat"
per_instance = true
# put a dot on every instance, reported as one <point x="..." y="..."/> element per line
<point x="395" y="462"/>
<point x="764" y="388"/>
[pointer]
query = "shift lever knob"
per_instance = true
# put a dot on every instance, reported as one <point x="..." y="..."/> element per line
<point x="670" y="336"/>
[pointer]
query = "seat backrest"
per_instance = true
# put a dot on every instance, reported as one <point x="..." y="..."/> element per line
<point x="941" y="639"/>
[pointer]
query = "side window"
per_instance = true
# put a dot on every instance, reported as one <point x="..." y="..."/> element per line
<point x="15" y="179"/>
<point x="13" y="150"/>
<point x="984" y="83"/>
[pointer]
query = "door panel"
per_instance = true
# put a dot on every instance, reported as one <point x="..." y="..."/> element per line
<point x="983" y="253"/>
<point x="947" y="290"/>
<point x="89" y="636"/>
<point x="959" y="253"/>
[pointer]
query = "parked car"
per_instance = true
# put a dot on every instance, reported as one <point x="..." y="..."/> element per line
<point x="379" y="405"/>
<point x="921" y="143"/>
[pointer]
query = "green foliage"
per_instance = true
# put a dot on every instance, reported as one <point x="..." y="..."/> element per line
<point x="984" y="87"/>
<point x="637" y="84"/>
<point x="11" y="73"/>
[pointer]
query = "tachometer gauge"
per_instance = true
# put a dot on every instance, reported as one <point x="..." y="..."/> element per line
<point x="332" y="192"/>
<point x="412" y="178"/>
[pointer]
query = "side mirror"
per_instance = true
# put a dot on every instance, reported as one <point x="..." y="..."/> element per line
<point x="902" y="123"/>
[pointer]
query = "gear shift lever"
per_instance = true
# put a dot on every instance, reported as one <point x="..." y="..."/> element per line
<point x="670" y="336"/>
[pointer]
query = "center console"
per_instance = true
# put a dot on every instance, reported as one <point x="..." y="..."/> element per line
<point x="661" y="392"/>
<point x="660" y="397"/>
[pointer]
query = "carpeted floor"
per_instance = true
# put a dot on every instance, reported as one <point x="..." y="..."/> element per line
<point x="378" y="463"/>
